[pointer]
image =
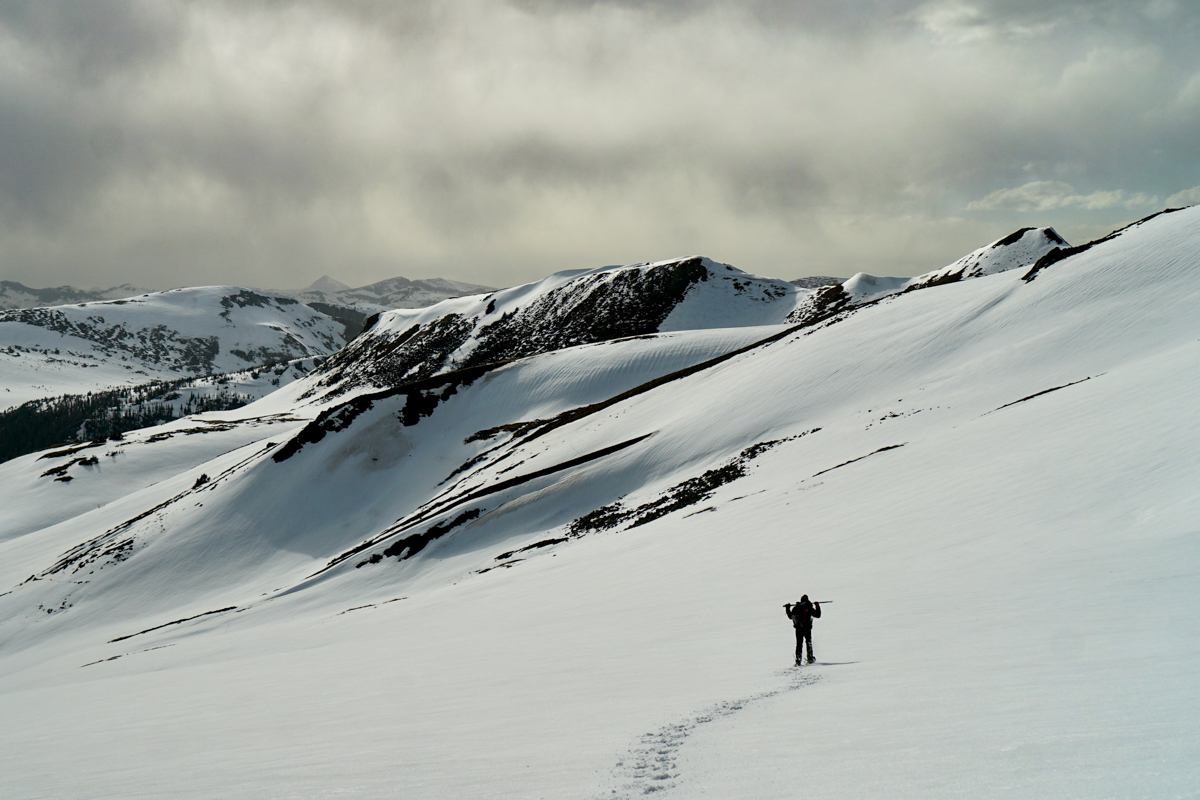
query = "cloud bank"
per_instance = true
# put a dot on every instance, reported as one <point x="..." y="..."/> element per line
<point x="1051" y="195"/>
<point x="267" y="143"/>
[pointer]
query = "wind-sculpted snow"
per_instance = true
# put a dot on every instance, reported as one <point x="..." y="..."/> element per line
<point x="1065" y="251"/>
<point x="992" y="478"/>
<point x="683" y="495"/>
<point x="103" y="472"/>
<point x="420" y="399"/>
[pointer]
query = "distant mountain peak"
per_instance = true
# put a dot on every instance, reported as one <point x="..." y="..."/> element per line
<point x="397" y="292"/>
<point x="326" y="284"/>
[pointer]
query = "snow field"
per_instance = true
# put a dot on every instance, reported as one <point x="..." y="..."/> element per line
<point x="1014" y="586"/>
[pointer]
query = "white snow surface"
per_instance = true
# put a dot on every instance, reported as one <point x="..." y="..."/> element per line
<point x="1019" y="249"/>
<point x="994" y="480"/>
<point x="164" y="335"/>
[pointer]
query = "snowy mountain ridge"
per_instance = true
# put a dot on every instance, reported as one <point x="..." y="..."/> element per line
<point x="162" y="335"/>
<point x="587" y="306"/>
<point x="563" y="310"/>
<point x="17" y="295"/>
<point x="1020" y="249"/>
<point x="535" y="561"/>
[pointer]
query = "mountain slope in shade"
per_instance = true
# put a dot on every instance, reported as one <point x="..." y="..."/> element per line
<point x="163" y="335"/>
<point x="561" y="575"/>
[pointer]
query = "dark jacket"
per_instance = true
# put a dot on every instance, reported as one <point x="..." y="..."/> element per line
<point x="803" y="613"/>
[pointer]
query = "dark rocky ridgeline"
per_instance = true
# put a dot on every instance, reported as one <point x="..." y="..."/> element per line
<point x="595" y="307"/>
<point x="824" y="303"/>
<point x="245" y="298"/>
<point x="972" y="266"/>
<point x="816" y="281"/>
<point x="688" y="493"/>
<point x="391" y="359"/>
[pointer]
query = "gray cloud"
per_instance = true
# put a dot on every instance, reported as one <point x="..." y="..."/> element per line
<point x="265" y="142"/>
<point x="1051" y="195"/>
<point x="1188" y="197"/>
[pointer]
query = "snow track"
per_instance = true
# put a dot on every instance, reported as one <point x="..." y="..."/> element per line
<point x="652" y="765"/>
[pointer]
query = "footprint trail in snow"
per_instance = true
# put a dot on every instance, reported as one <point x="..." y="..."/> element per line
<point x="651" y="766"/>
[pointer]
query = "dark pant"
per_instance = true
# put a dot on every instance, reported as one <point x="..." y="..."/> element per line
<point x="803" y="636"/>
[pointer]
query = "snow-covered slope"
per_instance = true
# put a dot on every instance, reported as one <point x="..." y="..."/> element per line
<point x="108" y="414"/>
<point x="586" y="306"/>
<point x="560" y="575"/>
<point x="1021" y="248"/>
<point x="164" y="335"/>
<point x="566" y="309"/>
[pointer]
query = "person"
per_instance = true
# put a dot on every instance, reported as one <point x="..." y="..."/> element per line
<point x="802" y="614"/>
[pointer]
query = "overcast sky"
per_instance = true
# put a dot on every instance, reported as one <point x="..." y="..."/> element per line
<point x="169" y="143"/>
